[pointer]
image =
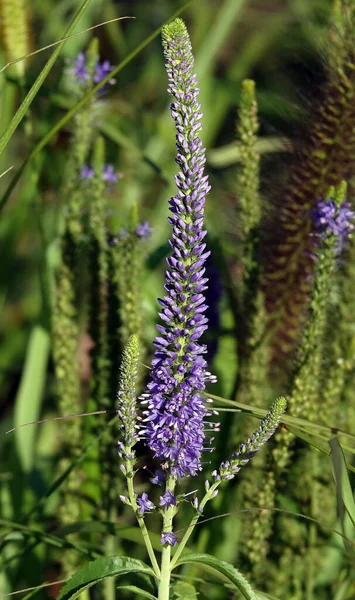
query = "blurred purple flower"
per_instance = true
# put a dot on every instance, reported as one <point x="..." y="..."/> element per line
<point x="79" y="69"/>
<point x="144" y="230"/>
<point x="329" y="218"/>
<point x="109" y="174"/>
<point x="87" y="172"/>
<point x="101" y="70"/>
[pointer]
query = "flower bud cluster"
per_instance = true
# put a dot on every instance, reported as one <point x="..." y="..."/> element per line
<point x="127" y="411"/>
<point x="247" y="451"/>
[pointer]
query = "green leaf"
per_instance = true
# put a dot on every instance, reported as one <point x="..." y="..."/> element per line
<point x="221" y="568"/>
<point x="344" y="491"/>
<point x="264" y="596"/>
<point x="29" y="396"/>
<point x="184" y="591"/>
<point x="98" y="570"/>
<point x="226" y="156"/>
<point x="137" y="590"/>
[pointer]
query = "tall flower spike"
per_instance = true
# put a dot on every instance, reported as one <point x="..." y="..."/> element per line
<point x="127" y="399"/>
<point x="248" y="450"/>
<point x="176" y="410"/>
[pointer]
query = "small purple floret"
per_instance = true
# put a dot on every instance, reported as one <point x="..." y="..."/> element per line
<point x="168" y="538"/>
<point x="144" y="504"/>
<point x="168" y="499"/>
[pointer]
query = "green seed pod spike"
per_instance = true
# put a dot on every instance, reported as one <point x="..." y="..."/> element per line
<point x="15" y="32"/>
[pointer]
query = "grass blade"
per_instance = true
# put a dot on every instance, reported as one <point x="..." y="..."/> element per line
<point x="344" y="492"/>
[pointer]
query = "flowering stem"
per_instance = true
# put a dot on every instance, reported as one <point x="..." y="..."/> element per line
<point x="142" y="526"/>
<point x="207" y="497"/>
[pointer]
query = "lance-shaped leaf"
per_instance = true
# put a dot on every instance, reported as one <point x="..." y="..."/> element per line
<point x="100" y="569"/>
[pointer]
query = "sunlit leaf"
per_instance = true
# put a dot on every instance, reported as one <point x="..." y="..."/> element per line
<point x="221" y="569"/>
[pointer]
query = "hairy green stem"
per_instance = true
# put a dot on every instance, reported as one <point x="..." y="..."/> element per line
<point x="142" y="525"/>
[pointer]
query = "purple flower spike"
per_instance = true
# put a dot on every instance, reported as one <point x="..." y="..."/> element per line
<point x="87" y="172"/>
<point x="176" y="412"/>
<point x="144" y="504"/>
<point x="144" y="230"/>
<point x="109" y="174"/>
<point x="328" y="218"/>
<point x="168" y="538"/>
<point x="168" y="499"/>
